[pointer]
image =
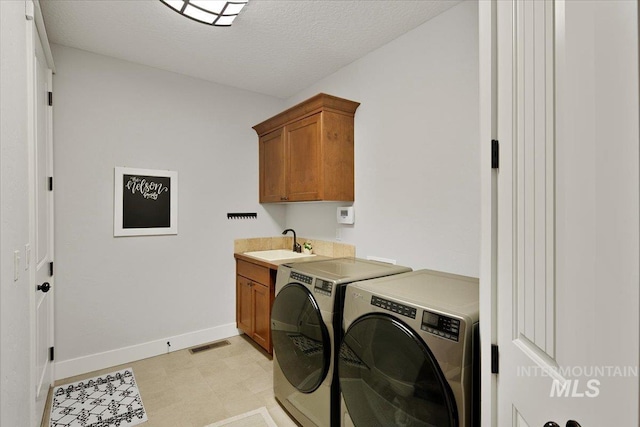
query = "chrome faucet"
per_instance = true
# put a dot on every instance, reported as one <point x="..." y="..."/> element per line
<point x="296" y="245"/>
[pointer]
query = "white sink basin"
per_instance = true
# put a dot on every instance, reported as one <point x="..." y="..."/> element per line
<point x="276" y="254"/>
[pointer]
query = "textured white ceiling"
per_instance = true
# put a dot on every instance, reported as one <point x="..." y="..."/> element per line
<point x="275" y="47"/>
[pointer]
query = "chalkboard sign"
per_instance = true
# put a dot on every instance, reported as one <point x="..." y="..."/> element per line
<point x="145" y="202"/>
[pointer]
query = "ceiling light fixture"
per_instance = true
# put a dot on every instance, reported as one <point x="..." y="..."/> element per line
<point x="211" y="12"/>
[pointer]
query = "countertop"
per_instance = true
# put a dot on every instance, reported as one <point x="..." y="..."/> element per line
<point x="273" y="265"/>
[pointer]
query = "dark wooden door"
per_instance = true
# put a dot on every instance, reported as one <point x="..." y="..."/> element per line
<point x="261" y="315"/>
<point x="244" y="309"/>
<point x="303" y="172"/>
<point x="272" y="167"/>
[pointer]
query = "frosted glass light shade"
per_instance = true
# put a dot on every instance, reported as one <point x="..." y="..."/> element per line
<point x="211" y="12"/>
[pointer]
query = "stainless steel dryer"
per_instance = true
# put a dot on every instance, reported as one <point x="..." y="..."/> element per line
<point x="409" y="356"/>
<point x="306" y="321"/>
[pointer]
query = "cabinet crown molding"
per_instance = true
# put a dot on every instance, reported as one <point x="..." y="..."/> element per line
<point x="315" y="104"/>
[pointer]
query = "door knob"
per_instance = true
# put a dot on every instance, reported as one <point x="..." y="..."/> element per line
<point x="44" y="287"/>
<point x="551" y="424"/>
<point x="572" y="423"/>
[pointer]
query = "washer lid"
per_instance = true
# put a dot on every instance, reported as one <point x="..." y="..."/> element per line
<point x="343" y="270"/>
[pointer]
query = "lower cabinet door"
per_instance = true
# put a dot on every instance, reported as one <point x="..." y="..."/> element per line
<point x="244" y="309"/>
<point x="261" y="305"/>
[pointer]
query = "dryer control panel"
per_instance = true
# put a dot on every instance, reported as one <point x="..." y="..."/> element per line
<point x="396" y="307"/>
<point x="301" y="277"/>
<point x="443" y="326"/>
<point x="323" y="287"/>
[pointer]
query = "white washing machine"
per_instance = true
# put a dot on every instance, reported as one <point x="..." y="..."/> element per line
<point x="409" y="356"/>
<point x="306" y="322"/>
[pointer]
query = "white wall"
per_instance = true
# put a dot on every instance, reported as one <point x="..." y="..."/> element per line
<point x="15" y="345"/>
<point x="118" y="292"/>
<point x="417" y="148"/>
<point x="417" y="185"/>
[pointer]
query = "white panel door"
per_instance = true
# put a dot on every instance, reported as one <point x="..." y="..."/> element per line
<point x="41" y="164"/>
<point x="567" y="213"/>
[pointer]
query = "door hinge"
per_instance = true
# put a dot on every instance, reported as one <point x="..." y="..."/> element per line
<point x="494" y="359"/>
<point x="51" y="354"/>
<point x="50" y="183"/>
<point x="51" y="268"/>
<point x="495" y="154"/>
<point x="50" y="99"/>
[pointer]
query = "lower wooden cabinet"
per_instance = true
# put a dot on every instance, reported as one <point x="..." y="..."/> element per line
<point x="255" y="287"/>
<point x="261" y="315"/>
<point x="244" y="304"/>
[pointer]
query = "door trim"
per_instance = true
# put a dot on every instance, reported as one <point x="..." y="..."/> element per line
<point x="487" y="16"/>
<point x="42" y="31"/>
<point x="35" y="29"/>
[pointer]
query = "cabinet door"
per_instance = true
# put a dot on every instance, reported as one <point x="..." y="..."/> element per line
<point x="262" y="317"/>
<point x="303" y="172"/>
<point x="244" y="309"/>
<point x="272" y="167"/>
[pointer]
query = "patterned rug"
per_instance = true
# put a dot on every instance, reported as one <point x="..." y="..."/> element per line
<point x="258" y="418"/>
<point x="111" y="400"/>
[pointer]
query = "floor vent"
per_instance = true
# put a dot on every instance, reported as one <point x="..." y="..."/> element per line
<point x="211" y="346"/>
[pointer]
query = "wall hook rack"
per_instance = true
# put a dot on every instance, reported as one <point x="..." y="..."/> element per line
<point x="242" y="215"/>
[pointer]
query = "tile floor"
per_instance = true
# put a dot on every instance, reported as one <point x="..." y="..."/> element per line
<point x="180" y="389"/>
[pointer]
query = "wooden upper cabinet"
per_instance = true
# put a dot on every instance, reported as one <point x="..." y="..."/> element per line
<point x="304" y="168"/>
<point x="306" y="152"/>
<point x="272" y="167"/>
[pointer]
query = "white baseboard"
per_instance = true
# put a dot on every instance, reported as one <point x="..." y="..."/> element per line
<point x="94" y="362"/>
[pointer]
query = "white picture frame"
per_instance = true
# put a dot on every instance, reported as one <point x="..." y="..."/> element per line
<point x="141" y="206"/>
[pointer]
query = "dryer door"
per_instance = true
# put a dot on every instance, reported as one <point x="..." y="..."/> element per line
<point x="389" y="377"/>
<point x="300" y="338"/>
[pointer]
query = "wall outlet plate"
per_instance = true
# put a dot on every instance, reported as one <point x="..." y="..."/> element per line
<point x="345" y="215"/>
